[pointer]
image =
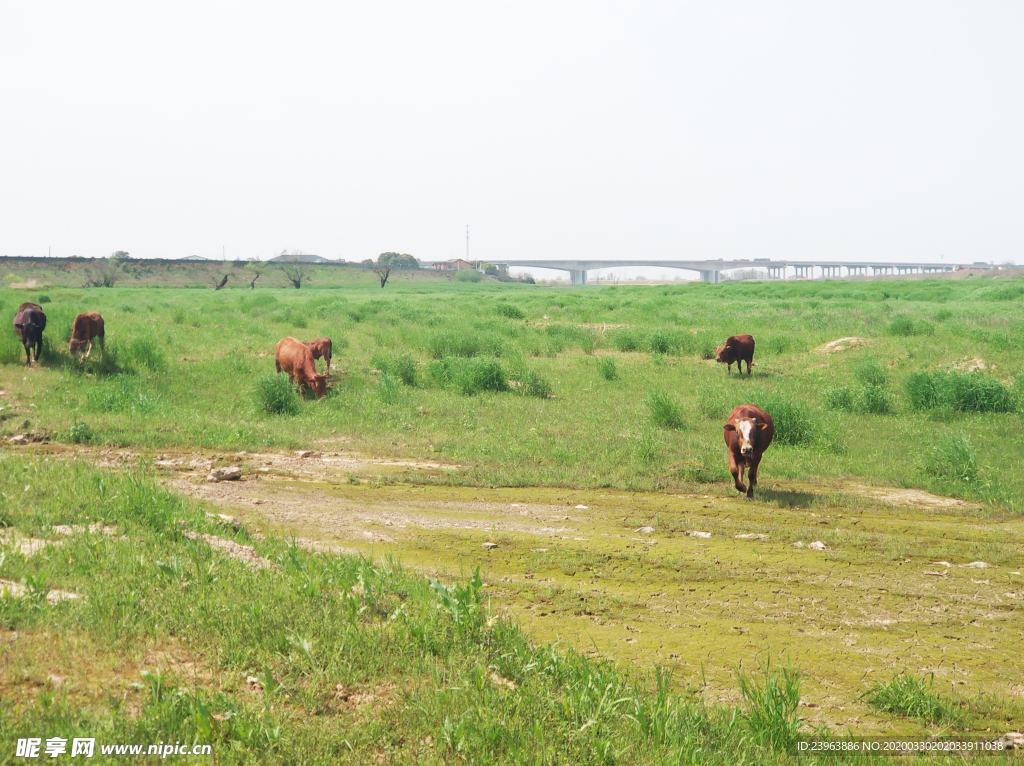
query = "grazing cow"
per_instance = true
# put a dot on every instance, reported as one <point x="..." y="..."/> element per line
<point x="748" y="432"/>
<point x="739" y="349"/>
<point x="87" y="327"/>
<point x="295" y="358"/>
<point x="321" y="347"/>
<point x="30" y="321"/>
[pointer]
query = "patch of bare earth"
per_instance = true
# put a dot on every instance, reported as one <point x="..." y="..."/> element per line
<point x="898" y="496"/>
<point x="244" y="553"/>
<point x="842" y="344"/>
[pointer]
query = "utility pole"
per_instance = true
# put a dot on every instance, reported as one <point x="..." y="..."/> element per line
<point x="467" y="242"/>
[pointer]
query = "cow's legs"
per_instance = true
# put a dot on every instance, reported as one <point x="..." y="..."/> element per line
<point x="88" y="350"/>
<point x="39" y="347"/>
<point x="103" y="350"/>
<point x="736" y="469"/>
<point x="729" y="367"/>
<point x="327" y="359"/>
<point x="752" y="478"/>
<point x="28" y="354"/>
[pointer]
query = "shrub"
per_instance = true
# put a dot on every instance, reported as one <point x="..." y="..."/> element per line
<point x="469" y="275"/>
<point x="953" y="458"/>
<point x="510" y="311"/>
<point x="400" y="366"/>
<point x="43" y="299"/>
<point x="275" y="396"/>
<point x="959" y="391"/>
<point x="80" y="433"/>
<point x="664" y="411"/>
<point x="907" y="695"/>
<point x="606" y="368"/>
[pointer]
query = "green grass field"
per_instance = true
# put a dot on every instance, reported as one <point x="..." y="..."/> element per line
<point x="544" y="396"/>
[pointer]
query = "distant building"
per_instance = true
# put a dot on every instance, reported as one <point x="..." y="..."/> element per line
<point x="193" y="258"/>
<point x="299" y="258"/>
<point x="455" y="264"/>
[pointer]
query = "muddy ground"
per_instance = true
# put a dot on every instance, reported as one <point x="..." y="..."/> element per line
<point x="908" y="581"/>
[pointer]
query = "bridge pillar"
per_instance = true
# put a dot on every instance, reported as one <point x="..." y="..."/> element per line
<point x="709" y="276"/>
<point x="578" y="276"/>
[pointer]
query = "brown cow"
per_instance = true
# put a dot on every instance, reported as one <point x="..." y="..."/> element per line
<point x="748" y="432"/>
<point x="30" y="321"/>
<point x="321" y="347"/>
<point x="87" y="327"/>
<point x="739" y="349"/>
<point x="295" y="358"/>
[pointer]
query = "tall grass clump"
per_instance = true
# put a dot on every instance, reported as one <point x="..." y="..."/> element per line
<point x="953" y="457"/>
<point x="912" y="697"/>
<point x="125" y="394"/>
<point x="628" y="339"/>
<point x="771" y="706"/>
<point x="959" y="391"/>
<point x="510" y="311"/>
<point x="664" y="411"/>
<point x="400" y="366"/>
<point x="274" y="395"/>
<point x="903" y="326"/>
<point x="606" y="368"/>
<point x="467" y="376"/>
<point x="532" y="383"/>
<point x="795" y="423"/>
<point x="875" y="396"/>
<point x="143" y="353"/>
<point x="467" y="344"/>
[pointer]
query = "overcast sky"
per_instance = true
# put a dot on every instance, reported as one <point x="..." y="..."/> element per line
<point x="876" y="130"/>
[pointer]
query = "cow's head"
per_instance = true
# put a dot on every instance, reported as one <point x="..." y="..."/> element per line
<point x="319" y="385"/>
<point x="723" y="353"/>
<point x="75" y="345"/>
<point x="748" y="430"/>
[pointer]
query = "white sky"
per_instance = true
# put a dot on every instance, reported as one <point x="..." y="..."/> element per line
<point x="874" y="130"/>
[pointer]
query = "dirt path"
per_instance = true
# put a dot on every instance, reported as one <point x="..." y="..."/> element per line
<point x="898" y="587"/>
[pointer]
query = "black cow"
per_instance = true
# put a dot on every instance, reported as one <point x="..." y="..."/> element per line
<point x="30" y="321"/>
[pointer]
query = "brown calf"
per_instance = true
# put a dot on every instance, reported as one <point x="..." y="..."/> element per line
<point x="87" y="328"/>
<point x="30" y="321"/>
<point x="321" y="347"/>
<point x="739" y="349"/>
<point x="296" y="359"/>
<point x="748" y="432"/>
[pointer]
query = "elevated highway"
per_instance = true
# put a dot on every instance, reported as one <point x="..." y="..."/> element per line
<point x="710" y="271"/>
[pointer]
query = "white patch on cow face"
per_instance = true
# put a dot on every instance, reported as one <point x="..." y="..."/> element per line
<point x="746" y="431"/>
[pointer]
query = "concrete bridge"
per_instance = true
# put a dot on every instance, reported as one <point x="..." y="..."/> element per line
<point x="710" y="270"/>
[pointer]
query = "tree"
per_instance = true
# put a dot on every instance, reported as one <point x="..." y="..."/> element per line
<point x="105" y="273"/>
<point x="296" y="272"/>
<point x="222" y="282"/>
<point x="397" y="261"/>
<point x="255" y="268"/>
<point x="382" y="272"/>
<point x="120" y="255"/>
